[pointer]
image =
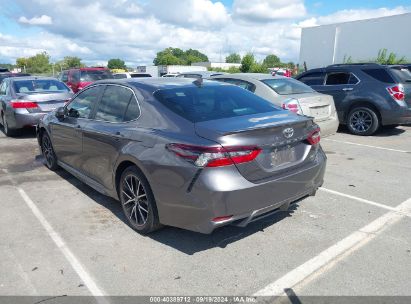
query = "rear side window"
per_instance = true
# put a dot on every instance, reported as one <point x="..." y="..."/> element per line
<point x="287" y="86"/>
<point x="341" y="78"/>
<point x="401" y="74"/>
<point x="379" y="74"/>
<point x="205" y="103"/>
<point x="316" y="78"/>
<point x="115" y="103"/>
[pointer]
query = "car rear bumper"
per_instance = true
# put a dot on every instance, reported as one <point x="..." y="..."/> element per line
<point x="228" y="193"/>
<point x="22" y="120"/>
<point x="329" y="126"/>
<point x="400" y="115"/>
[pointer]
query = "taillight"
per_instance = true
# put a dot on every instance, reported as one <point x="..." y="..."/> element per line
<point x="397" y="92"/>
<point x="314" y="137"/>
<point x="20" y="104"/>
<point x="292" y="105"/>
<point x="215" y="156"/>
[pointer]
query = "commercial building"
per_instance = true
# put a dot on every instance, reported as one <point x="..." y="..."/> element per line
<point x="356" y="40"/>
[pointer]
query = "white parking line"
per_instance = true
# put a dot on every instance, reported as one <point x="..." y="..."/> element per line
<point x="332" y="255"/>
<point x="368" y="146"/>
<point x="88" y="281"/>
<point x="358" y="199"/>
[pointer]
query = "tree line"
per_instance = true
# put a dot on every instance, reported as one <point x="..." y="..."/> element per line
<point x="41" y="62"/>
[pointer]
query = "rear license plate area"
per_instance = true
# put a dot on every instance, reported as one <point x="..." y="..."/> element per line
<point x="283" y="156"/>
<point x="320" y="112"/>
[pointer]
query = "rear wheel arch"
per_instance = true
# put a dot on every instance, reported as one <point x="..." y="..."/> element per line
<point x="122" y="166"/>
<point x="362" y="103"/>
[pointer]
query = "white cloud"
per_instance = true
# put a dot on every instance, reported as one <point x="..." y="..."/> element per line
<point x="135" y="31"/>
<point x="268" y="10"/>
<point x="42" y="20"/>
<point x="197" y="13"/>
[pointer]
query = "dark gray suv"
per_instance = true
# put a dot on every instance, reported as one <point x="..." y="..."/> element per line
<point x="366" y="96"/>
<point x="196" y="155"/>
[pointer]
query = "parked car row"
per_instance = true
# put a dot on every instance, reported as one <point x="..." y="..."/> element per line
<point x="225" y="140"/>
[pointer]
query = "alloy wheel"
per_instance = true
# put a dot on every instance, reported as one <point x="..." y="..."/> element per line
<point x="134" y="199"/>
<point x="361" y="121"/>
<point x="48" y="151"/>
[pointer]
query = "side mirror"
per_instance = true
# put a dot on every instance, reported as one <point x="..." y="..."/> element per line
<point x="61" y="113"/>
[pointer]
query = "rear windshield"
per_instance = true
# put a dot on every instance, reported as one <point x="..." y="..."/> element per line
<point x="287" y="86"/>
<point x="402" y="74"/>
<point x="205" y="103"/>
<point x="94" y="75"/>
<point x="39" y="85"/>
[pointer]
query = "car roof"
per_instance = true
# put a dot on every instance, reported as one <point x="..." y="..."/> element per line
<point x="255" y="76"/>
<point x="156" y="83"/>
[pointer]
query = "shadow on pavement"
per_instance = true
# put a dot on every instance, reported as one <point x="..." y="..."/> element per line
<point x="185" y="241"/>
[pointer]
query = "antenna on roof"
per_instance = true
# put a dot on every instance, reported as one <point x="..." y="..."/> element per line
<point x="198" y="82"/>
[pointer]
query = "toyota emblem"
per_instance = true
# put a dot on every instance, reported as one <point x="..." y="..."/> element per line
<point x="288" y="133"/>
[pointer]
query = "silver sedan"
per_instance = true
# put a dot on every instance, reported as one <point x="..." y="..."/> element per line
<point x="289" y="94"/>
<point x="24" y="100"/>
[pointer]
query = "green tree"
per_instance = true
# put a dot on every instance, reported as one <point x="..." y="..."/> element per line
<point x="71" y="62"/>
<point x="272" y="61"/>
<point x="176" y="56"/>
<point x="116" y="63"/>
<point x="233" y="58"/>
<point x="37" y="64"/>
<point x="247" y="63"/>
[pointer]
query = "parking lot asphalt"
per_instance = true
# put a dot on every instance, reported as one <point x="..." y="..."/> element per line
<point x="60" y="237"/>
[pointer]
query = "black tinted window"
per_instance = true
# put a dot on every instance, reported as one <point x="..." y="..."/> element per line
<point x="213" y="102"/>
<point x="83" y="103"/>
<point x="94" y="75"/>
<point x="379" y="74"/>
<point x="337" y="78"/>
<point x="114" y="103"/>
<point x="139" y="75"/>
<point x="316" y="78"/>
<point x="133" y="111"/>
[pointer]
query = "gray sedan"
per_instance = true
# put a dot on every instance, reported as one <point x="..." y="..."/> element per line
<point x="192" y="154"/>
<point x="24" y="100"/>
<point x="289" y="94"/>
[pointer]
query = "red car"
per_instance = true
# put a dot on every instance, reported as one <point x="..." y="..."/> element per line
<point x="77" y="79"/>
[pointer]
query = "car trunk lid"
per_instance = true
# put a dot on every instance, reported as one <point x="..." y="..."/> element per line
<point x="281" y="136"/>
<point x="46" y="102"/>
<point x="318" y="106"/>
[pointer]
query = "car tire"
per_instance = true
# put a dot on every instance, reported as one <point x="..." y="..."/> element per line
<point x="6" y="130"/>
<point x="137" y="201"/>
<point x="363" y="121"/>
<point x="48" y="152"/>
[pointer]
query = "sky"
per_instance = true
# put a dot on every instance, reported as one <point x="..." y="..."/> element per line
<point x="135" y="30"/>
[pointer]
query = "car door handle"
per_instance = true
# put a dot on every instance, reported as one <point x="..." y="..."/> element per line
<point x="348" y="89"/>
